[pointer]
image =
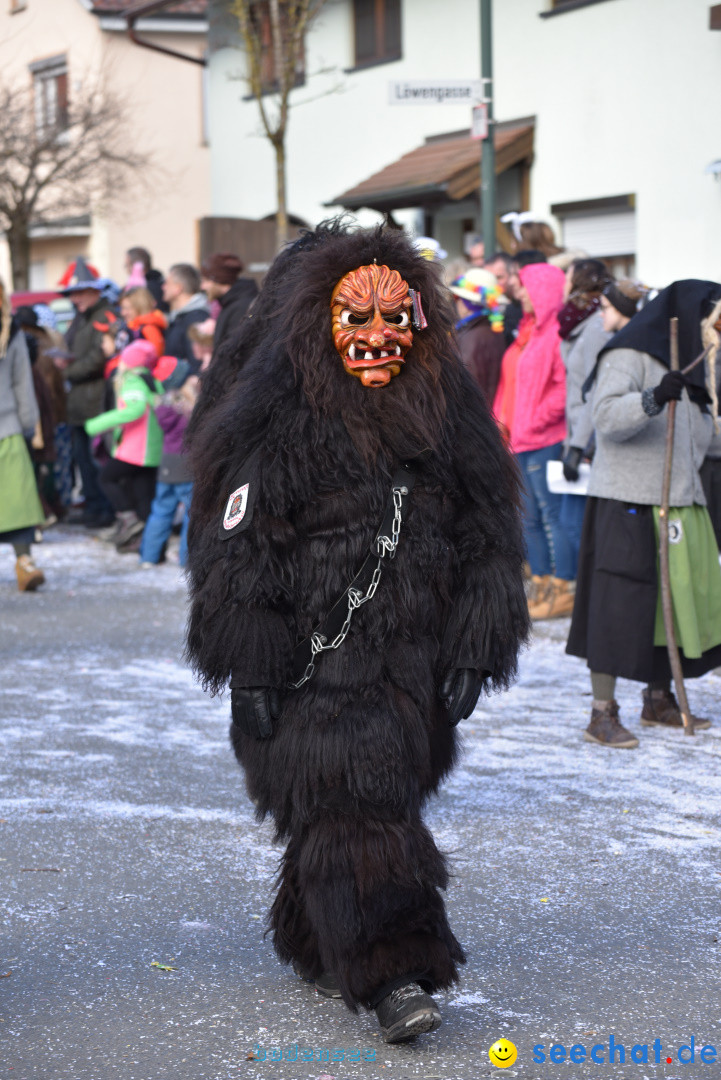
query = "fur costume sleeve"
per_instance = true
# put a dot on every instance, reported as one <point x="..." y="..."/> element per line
<point x="488" y="620"/>
<point x="241" y="625"/>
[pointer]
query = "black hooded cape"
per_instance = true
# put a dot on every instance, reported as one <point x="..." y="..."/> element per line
<point x="691" y="301"/>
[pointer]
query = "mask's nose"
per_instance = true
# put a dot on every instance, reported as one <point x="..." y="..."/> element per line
<point x="378" y="334"/>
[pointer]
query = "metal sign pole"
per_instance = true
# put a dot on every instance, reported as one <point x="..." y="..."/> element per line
<point x="488" y="155"/>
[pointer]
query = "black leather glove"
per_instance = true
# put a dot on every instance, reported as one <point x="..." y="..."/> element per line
<point x="669" y="389"/>
<point x="254" y="708"/>
<point x="571" y="461"/>
<point x="459" y="692"/>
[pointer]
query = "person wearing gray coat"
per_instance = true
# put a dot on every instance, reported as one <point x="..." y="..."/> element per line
<point x="617" y="624"/>
<point x="580" y="352"/>
<point x="582" y="338"/>
<point x="20" y="509"/>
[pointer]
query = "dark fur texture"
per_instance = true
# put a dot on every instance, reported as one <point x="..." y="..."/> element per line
<point x="358" y="749"/>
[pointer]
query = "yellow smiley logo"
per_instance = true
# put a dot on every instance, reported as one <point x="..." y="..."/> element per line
<point x="502" y="1054"/>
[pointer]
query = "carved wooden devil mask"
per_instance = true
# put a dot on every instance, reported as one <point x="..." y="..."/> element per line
<point x="371" y="311"/>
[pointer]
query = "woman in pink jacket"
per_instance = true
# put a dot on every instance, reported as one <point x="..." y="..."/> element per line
<point x="530" y="406"/>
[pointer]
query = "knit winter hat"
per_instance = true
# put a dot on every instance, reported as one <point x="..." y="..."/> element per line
<point x="46" y="317"/>
<point x="171" y="372"/>
<point x="139" y="353"/>
<point x="480" y="289"/>
<point x="137" y="277"/>
<point x="223" y="268"/>
<point x="26" y="316"/>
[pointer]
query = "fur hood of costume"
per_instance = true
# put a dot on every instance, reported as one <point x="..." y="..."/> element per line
<point x="359" y="747"/>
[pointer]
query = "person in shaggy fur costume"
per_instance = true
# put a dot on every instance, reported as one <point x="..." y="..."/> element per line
<point x="354" y="447"/>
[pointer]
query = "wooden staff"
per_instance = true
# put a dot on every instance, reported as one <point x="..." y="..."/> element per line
<point x="666" y="602"/>
<point x="694" y="363"/>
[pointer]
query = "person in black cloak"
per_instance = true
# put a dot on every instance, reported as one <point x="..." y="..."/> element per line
<point x="355" y="448"/>
<point x="617" y="623"/>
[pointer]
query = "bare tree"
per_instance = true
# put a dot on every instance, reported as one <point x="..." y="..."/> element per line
<point x="59" y="165"/>
<point x="273" y="32"/>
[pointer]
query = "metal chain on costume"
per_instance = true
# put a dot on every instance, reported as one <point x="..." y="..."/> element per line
<point x="386" y="547"/>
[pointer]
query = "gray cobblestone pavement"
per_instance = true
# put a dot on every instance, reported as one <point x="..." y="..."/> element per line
<point x="585" y="882"/>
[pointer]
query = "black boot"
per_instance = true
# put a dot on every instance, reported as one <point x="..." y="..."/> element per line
<point x="406" y="1012"/>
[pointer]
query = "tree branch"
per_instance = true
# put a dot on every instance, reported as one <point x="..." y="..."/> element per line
<point x="63" y="167"/>
<point x="288" y="22"/>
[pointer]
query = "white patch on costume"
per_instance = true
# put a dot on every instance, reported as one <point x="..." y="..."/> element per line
<point x="675" y="531"/>
<point x="235" y="510"/>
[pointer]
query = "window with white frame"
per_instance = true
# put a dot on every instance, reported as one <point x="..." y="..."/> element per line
<point x="50" y="89"/>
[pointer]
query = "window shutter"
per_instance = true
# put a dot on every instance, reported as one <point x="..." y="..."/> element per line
<point x="601" y="234"/>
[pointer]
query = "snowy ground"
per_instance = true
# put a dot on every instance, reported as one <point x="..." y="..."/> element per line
<point x="586" y="881"/>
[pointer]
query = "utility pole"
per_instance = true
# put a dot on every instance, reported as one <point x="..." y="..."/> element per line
<point x="488" y="153"/>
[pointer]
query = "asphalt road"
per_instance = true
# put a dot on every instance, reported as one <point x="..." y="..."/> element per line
<point x="585" y="882"/>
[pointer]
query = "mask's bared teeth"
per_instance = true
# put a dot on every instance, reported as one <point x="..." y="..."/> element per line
<point x="351" y="353"/>
<point x="368" y="356"/>
<point x="398" y="350"/>
<point x="383" y="353"/>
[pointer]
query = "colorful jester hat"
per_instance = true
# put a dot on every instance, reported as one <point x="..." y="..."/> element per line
<point x="480" y="289"/>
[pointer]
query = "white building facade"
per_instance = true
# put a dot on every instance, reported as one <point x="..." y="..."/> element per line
<point x="607" y="106"/>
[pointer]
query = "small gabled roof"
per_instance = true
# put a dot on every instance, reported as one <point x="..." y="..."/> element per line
<point x="443" y="168"/>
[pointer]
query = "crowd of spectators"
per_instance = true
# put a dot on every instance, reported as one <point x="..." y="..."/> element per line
<point x="573" y="364"/>
<point x="579" y="389"/>
<point x="92" y="421"/>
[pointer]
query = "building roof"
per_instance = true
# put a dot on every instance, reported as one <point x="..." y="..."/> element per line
<point x="443" y="168"/>
<point x="177" y="7"/>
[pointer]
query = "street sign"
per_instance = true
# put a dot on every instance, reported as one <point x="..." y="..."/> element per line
<point x="444" y="92"/>
<point x="479" y="122"/>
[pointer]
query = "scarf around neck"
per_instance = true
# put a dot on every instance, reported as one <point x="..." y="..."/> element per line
<point x="570" y="316"/>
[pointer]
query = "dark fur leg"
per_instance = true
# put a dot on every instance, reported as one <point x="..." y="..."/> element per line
<point x="293" y="935"/>
<point x="361" y="899"/>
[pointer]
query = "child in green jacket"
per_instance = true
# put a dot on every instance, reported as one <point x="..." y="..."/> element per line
<point x="128" y="479"/>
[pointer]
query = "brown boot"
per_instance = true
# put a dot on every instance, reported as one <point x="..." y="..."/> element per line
<point x="28" y="575"/>
<point x="537" y="586"/>
<point x="605" y="728"/>
<point x="557" y="601"/>
<point x="664" y="712"/>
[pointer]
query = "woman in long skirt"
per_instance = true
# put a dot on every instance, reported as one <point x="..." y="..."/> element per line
<point x="20" y="509"/>
<point x="617" y="621"/>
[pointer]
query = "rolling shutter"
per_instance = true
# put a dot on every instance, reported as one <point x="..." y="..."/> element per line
<point x="601" y="234"/>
